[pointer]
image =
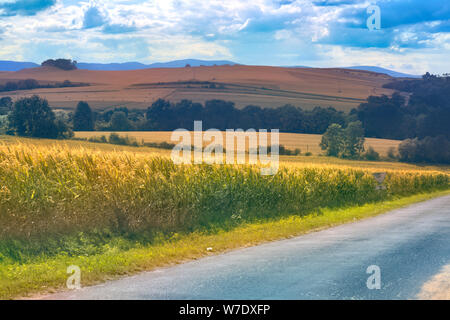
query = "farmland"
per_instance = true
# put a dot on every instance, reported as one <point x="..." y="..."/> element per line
<point x="244" y="85"/>
<point x="304" y="142"/>
<point x="116" y="210"/>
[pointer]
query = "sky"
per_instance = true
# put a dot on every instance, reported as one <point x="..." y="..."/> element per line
<point x="414" y="35"/>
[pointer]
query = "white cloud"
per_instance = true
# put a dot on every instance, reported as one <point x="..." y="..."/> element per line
<point x="259" y="31"/>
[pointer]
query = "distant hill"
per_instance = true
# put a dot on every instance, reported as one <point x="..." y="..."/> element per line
<point x="138" y="66"/>
<point x="263" y="86"/>
<point x="16" y="66"/>
<point x="391" y="73"/>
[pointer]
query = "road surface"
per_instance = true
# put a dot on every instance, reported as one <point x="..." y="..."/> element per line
<point x="410" y="246"/>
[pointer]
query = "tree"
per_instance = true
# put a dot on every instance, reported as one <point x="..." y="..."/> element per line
<point x="353" y="143"/>
<point x="83" y="119"/>
<point x="32" y="117"/>
<point x="63" y="64"/>
<point x="119" y="121"/>
<point x="344" y="143"/>
<point x="5" y="105"/>
<point x="429" y="149"/>
<point x="332" y="140"/>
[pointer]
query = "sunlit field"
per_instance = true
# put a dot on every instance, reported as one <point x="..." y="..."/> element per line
<point x="77" y="200"/>
<point x="304" y="142"/>
<point x="52" y="188"/>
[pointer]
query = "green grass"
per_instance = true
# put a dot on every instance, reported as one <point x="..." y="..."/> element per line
<point x="47" y="274"/>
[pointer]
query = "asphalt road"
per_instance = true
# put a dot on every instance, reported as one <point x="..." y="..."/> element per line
<point x="409" y="245"/>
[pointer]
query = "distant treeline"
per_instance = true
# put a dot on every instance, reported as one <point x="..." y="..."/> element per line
<point x="29" y="84"/>
<point x="164" y="115"/>
<point x="425" y="112"/>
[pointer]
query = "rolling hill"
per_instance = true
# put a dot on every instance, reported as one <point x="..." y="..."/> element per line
<point x="342" y="89"/>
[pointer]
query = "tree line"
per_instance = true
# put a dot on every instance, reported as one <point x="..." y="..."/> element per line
<point x="30" y="84"/>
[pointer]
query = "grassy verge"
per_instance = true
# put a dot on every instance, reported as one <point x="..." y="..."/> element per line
<point x="46" y="274"/>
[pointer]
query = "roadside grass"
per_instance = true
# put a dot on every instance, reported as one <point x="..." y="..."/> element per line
<point x="44" y="274"/>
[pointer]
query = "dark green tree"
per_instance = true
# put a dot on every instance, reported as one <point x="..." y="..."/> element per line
<point x="353" y="144"/>
<point x="33" y="117"/>
<point x="344" y="143"/>
<point x="119" y="121"/>
<point x="83" y="119"/>
<point x="332" y="140"/>
<point x="5" y="105"/>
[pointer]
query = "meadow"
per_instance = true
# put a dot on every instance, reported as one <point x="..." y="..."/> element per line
<point x="75" y="201"/>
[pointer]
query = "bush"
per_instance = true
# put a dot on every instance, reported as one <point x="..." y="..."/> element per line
<point x="371" y="155"/>
<point x="114" y="138"/>
<point x="431" y="150"/>
<point x="392" y="155"/>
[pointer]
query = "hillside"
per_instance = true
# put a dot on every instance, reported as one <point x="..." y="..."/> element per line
<point x="257" y="85"/>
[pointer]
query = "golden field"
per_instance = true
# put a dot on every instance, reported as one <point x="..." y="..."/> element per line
<point x="117" y="210"/>
<point x="304" y="142"/>
<point x="58" y="188"/>
<point x="244" y="85"/>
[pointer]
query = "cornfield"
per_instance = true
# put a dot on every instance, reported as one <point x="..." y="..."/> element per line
<point x="48" y="191"/>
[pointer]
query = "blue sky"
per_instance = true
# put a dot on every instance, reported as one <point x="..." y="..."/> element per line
<point x="414" y="35"/>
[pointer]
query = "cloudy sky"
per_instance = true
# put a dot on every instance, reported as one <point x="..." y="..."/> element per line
<point x="414" y="35"/>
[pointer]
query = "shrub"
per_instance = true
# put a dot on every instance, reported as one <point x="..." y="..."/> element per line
<point x="432" y="150"/>
<point x="371" y="155"/>
<point x="392" y="153"/>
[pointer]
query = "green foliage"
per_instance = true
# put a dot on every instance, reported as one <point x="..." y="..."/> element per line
<point x="430" y="150"/>
<point x="114" y="138"/>
<point x="372" y="155"/>
<point x="163" y="115"/>
<point x="332" y="140"/>
<point x="63" y="64"/>
<point x="392" y="153"/>
<point x="425" y="113"/>
<point x="32" y="117"/>
<point x="344" y="143"/>
<point x="119" y="122"/>
<point x="353" y="142"/>
<point x="3" y="124"/>
<point x="83" y="119"/>
<point x="30" y="84"/>
<point x="5" y="105"/>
